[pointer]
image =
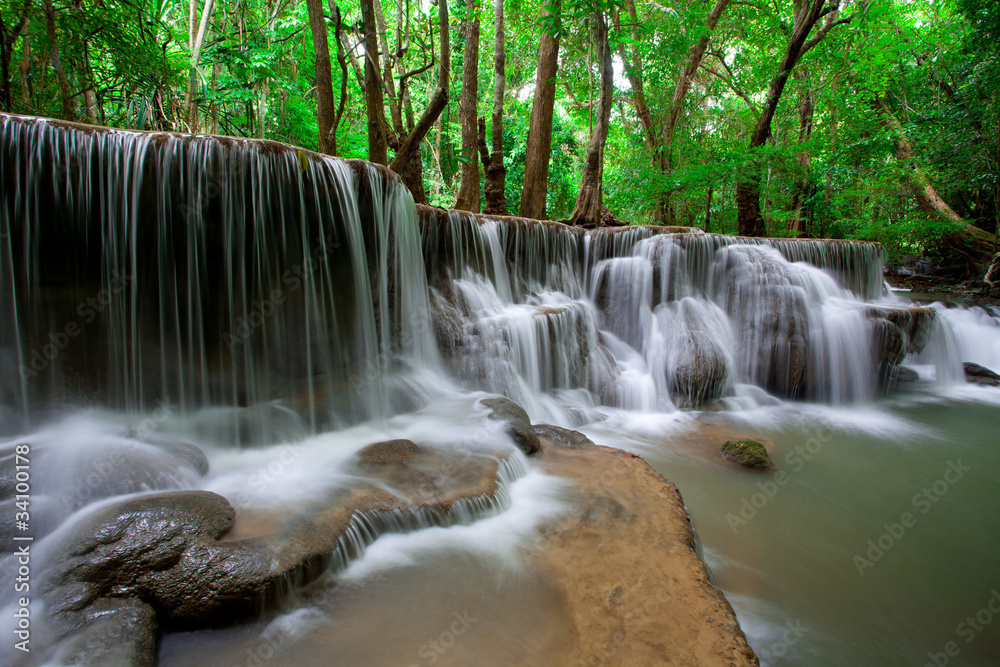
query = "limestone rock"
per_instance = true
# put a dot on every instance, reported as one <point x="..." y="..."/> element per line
<point x="977" y="374"/>
<point x="563" y="437"/>
<point x="118" y="633"/>
<point x="65" y="480"/>
<point x="518" y="424"/>
<point x="746" y="452"/>
<point x="390" y="451"/>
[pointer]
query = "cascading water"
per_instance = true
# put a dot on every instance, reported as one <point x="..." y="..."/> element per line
<point x="281" y="310"/>
<point x="645" y="320"/>
<point x="143" y="270"/>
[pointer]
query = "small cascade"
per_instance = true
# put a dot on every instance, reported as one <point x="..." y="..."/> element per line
<point x="975" y="334"/>
<point x="368" y="525"/>
<point x="661" y="318"/>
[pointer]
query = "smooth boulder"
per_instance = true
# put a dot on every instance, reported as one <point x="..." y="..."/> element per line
<point x="518" y="424"/>
<point x="746" y="452"/>
<point x="981" y="375"/>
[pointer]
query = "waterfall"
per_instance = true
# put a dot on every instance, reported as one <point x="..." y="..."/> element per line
<point x="287" y="292"/>
<point x="149" y="268"/>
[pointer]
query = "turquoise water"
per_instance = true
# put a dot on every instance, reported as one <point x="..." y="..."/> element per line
<point x="876" y="543"/>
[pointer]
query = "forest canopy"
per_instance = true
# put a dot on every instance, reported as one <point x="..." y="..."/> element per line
<point x="873" y="119"/>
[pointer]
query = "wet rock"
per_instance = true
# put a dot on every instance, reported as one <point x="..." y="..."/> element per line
<point x="563" y="437"/>
<point x="903" y="374"/>
<point x="448" y="323"/>
<point x="390" y="451"/>
<point x="888" y="343"/>
<point x="518" y="424"/>
<point x="116" y="633"/>
<point x="65" y="480"/>
<point x="977" y="374"/>
<point x="698" y="366"/>
<point x="915" y="323"/>
<point x="184" y="555"/>
<point x="123" y="550"/>
<point x="746" y="452"/>
<point x="769" y="308"/>
<point x="116" y="467"/>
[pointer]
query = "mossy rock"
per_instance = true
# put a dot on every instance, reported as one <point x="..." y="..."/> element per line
<point x="746" y="452"/>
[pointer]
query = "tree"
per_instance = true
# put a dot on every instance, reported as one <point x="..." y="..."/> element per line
<point x="325" y="113"/>
<point x="806" y="14"/>
<point x="539" y="144"/>
<point x="660" y="137"/>
<point x="195" y="43"/>
<point x="8" y="39"/>
<point x="590" y="202"/>
<point x="468" y="193"/>
<point x="54" y="55"/>
<point x="496" y="172"/>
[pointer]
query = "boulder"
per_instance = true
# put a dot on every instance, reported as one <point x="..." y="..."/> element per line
<point x="115" y="467"/>
<point x="746" y="452"/>
<point x="904" y="374"/>
<point x="66" y="479"/>
<point x="116" y="633"/>
<point x="518" y="424"/>
<point x="390" y="451"/>
<point x="977" y="374"/>
<point x="897" y="332"/>
<point x="769" y="310"/>
<point x="132" y="549"/>
<point x="563" y="437"/>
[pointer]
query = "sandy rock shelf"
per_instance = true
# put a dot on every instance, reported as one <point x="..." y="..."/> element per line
<point x="636" y="591"/>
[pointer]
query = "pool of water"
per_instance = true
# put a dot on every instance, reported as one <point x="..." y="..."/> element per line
<point x="874" y="542"/>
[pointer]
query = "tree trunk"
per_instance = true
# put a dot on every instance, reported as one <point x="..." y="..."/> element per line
<point x="496" y="172"/>
<point x="666" y="149"/>
<point x="405" y="160"/>
<point x="590" y="202"/>
<point x="197" y="39"/>
<point x="797" y="224"/>
<point x="468" y="191"/>
<point x="660" y="142"/>
<point x="927" y="197"/>
<point x="708" y="210"/>
<point x="8" y="39"/>
<point x="325" y="113"/>
<point x="378" y="145"/>
<point x="748" y="217"/>
<point x="50" y="31"/>
<point x="539" y="147"/>
<point x="342" y="61"/>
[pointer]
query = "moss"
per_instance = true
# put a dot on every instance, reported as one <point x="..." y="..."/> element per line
<point x="744" y="451"/>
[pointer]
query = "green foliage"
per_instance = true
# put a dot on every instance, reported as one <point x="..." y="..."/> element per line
<point x="914" y="235"/>
<point x="934" y="63"/>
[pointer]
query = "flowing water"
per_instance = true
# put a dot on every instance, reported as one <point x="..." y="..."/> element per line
<point x="281" y="310"/>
